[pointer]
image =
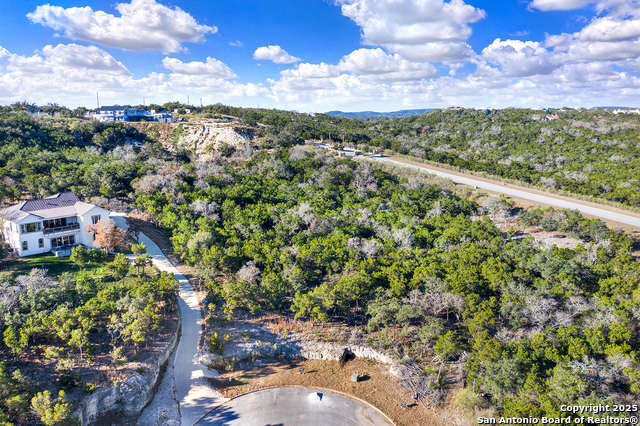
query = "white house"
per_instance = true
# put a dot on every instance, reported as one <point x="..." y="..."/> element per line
<point x="118" y="113"/>
<point x="55" y="224"/>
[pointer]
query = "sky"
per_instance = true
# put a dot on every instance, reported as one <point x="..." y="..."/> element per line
<point x="322" y="55"/>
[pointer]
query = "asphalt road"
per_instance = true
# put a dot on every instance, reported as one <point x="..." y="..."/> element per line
<point x="294" y="406"/>
<point x="507" y="190"/>
<point x="195" y="396"/>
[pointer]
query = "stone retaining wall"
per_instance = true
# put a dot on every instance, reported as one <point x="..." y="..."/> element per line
<point x="131" y="396"/>
<point x="294" y="347"/>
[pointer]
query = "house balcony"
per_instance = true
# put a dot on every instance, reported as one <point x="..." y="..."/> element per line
<point x="69" y="227"/>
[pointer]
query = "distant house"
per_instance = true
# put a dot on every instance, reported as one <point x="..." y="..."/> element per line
<point x="34" y="110"/>
<point x="626" y="111"/>
<point x="118" y="113"/>
<point x="54" y="224"/>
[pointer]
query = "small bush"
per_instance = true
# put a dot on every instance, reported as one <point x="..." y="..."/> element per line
<point x="215" y="345"/>
<point x="467" y="399"/>
<point x="69" y="379"/>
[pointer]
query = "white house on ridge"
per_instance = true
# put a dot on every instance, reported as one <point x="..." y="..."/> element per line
<point x="55" y="224"/>
<point x="118" y="113"/>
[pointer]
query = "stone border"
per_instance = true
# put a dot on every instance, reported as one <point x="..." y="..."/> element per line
<point x="131" y="396"/>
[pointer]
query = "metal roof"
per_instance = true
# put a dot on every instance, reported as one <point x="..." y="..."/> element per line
<point x="62" y="199"/>
<point x="58" y="205"/>
<point x="112" y="108"/>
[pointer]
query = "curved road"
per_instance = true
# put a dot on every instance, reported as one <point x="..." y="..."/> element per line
<point x="195" y="396"/>
<point x="294" y="406"/>
<point x="507" y="190"/>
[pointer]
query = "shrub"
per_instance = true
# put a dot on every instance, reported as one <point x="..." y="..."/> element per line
<point x="468" y="399"/>
<point x="53" y="413"/>
<point x="215" y="345"/>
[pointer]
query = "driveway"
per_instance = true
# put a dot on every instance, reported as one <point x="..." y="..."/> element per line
<point x="196" y="397"/>
<point x="293" y="406"/>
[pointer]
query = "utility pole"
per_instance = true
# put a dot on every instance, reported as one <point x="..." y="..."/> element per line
<point x="200" y="102"/>
<point x="188" y="100"/>
<point x="98" y="100"/>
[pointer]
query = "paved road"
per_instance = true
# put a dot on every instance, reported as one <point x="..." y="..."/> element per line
<point x="294" y="406"/>
<point x="196" y="397"/>
<point x="564" y="204"/>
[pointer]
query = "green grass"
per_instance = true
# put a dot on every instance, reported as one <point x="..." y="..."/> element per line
<point x="54" y="265"/>
<point x="58" y="265"/>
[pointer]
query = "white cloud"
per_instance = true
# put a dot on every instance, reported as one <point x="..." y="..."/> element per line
<point x="619" y="8"/>
<point x="237" y="43"/>
<point x="67" y="59"/>
<point x="60" y="71"/>
<point x="508" y="73"/>
<point x="274" y="53"/>
<point x="519" y="58"/>
<point x="381" y="66"/>
<point x="611" y="29"/>
<point x="427" y="30"/>
<point x="546" y="5"/>
<point x="321" y="70"/>
<point x="212" y="68"/>
<point x="72" y="74"/>
<point x="143" y="25"/>
<point x="4" y="54"/>
<point x="604" y="39"/>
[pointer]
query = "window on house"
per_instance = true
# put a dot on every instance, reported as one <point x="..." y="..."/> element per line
<point x="95" y="219"/>
<point x="63" y="241"/>
<point x="55" y="223"/>
<point x="25" y="246"/>
<point x="30" y="227"/>
<point x="41" y="242"/>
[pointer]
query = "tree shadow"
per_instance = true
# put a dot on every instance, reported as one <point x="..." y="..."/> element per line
<point x="220" y="416"/>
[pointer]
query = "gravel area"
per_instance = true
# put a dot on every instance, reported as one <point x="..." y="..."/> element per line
<point x="163" y="409"/>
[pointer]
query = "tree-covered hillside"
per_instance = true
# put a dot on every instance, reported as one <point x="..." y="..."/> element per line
<point x="420" y="270"/>
<point x="336" y="240"/>
<point x="589" y="152"/>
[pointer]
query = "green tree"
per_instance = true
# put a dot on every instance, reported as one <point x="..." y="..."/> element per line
<point x="53" y="412"/>
<point x="119" y="267"/>
<point x="142" y="262"/>
<point x="448" y="345"/>
<point x="79" y="256"/>
<point x="139" y="249"/>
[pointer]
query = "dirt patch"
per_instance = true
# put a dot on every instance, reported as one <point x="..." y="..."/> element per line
<point x="374" y="387"/>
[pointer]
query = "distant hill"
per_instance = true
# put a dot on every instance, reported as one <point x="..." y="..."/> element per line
<point x="613" y="108"/>
<point x="394" y="114"/>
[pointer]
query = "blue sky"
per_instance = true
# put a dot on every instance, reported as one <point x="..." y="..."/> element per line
<point x="314" y="55"/>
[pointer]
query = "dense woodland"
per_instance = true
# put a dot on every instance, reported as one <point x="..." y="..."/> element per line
<point x="592" y="153"/>
<point x="423" y="273"/>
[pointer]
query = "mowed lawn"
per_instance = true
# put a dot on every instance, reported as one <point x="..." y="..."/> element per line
<point x="54" y="265"/>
